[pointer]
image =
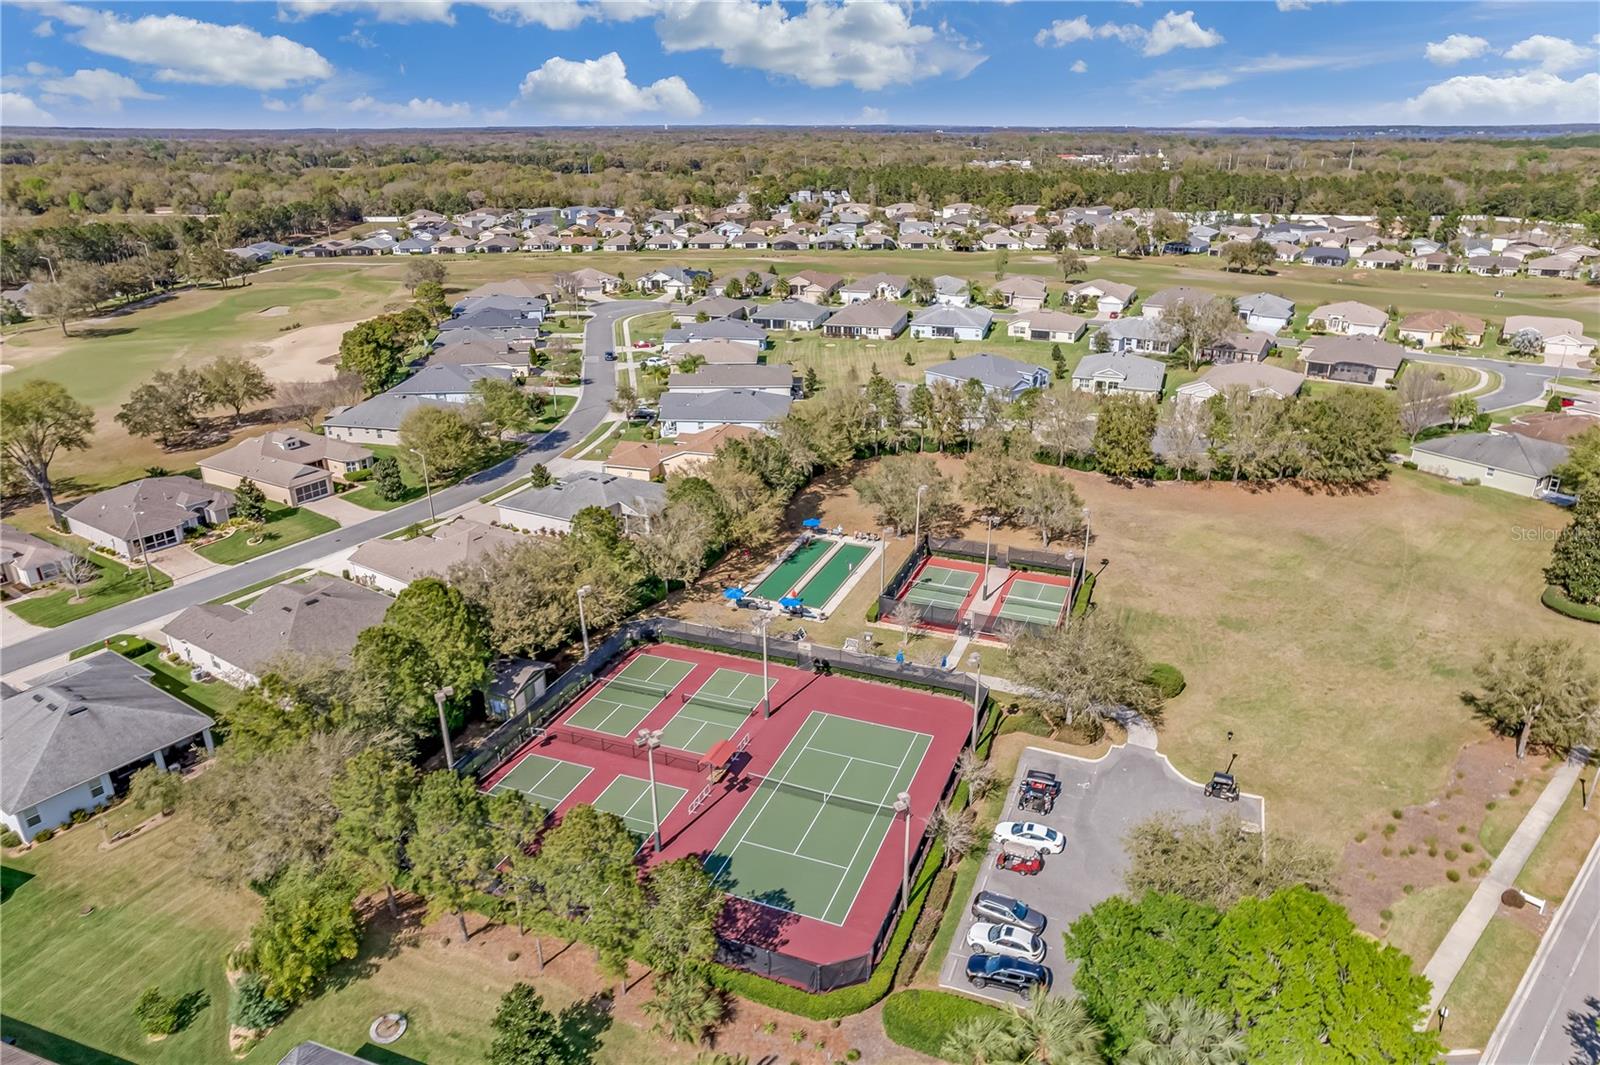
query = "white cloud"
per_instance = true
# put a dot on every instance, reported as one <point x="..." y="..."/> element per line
<point x="551" y="14"/>
<point x="1186" y="79"/>
<point x="17" y="110"/>
<point x="1172" y="30"/>
<point x="39" y="70"/>
<point x="1179" y="30"/>
<point x="381" y="10"/>
<point x="272" y="103"/>
<point x="872" y="116"/>
<point x="1533" y="97"/>
<point x="45" y="29"/>
<point x="598" y="90"/>
<point x="429" y="110"/>
<point x="183" y="49"/>
<point x="1079" y="67"/>
<point x="96" y="88"/>
<point x="1456" y="48"/>
<point x="868" y="45"/>
<point x="1552" y="54"/>
<point x="1302" y="5"/>
<point x="1064" y="31"/>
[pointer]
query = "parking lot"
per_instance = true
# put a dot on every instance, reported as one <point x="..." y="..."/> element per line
<point x="1100" y="800"/>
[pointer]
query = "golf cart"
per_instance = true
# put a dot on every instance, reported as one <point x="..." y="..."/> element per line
<point x="1223" y="787"/>
<point x="1028" y="863"/>
<point x="1037" y="791"/>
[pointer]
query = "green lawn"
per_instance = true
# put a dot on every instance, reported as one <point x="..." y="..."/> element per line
<point x="117" y="584"/>
<point x="554" y="412"/>
<point x="1456" y="378"/>
<point x="1555" y="860"/>
<point x="284" y="526"/>
<point x="1483" y="988"/>
<point x="411" y="473"/>
<point x="842" y="362"/>
<point x="1422" y="919"/>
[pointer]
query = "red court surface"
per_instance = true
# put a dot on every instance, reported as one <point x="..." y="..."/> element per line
<point x="797" y="695"/>
<point x="1027" y="596"/>
<point x="936" y="586"/>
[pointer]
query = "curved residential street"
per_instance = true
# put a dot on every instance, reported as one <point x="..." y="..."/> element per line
<point x="599" y="386"/>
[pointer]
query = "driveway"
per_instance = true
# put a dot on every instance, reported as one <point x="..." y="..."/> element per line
<point x="1520" y="382"/>
<point x="1100" y="800"/>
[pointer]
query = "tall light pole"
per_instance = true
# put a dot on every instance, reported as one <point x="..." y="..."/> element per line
<point x="444" y="726"/>
<point x="989" y="522"/>
<point x="976" y="662"/>
<point x="46" y="260"/>
<point x="917" y="533"/>
<point x="902" y="805"/>
<point x="583" y="621"/>
<point x="883" y="549"/>
<point x="762" y="624"/>
<point x="427" y="483"/>
<point x="650" y="740"/>
<point x="144" y="550"/>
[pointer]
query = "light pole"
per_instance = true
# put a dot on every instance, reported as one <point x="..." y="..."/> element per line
<point x="46" y="260"/>
<point x="917" y="532"/>
<point x="976" y="662"/>
<point x="883" y="549"/>
<point x="902" y="805"/>
<point x="144" y="550"/>
<point x="762" y="623"/>
<point x="650" y="740"/>
<point x="583" y="621"/>
<point x="427" y="483"/>
<point x="989" y="522"/>
<point x="444" y="727"/>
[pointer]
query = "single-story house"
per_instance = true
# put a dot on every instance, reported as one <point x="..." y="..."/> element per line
<point x="874" y="287"/>
<point x="1257" y="378"/>
<point x="1117" y="374"/>
<point x="514" y="287"/>
<point x="1562" y="265"/>
<point x="1239" y="347"/>
<point x="552" y="508"/>
<point x="75" y="737"/>
<point x="391" y="565"/>
<point x="870" y="319"/>
<point x="27" y="560"/>
<point x="1563" y="337"/>
<point x="1511" y="462"/>
<point x="999" y="375"/>
<point x="1350" y="318"/>
<point x="1023" y="293"/>
<point x="309" y="1053"/>
<point x="732" y="329"/>
<point x="478" y="353"/>
<point x="776" y="378"/>
<point x="952" y="291"/>
<point x="789" y="314"/>
<point x="759" y="286"/>
<point x="1361" y="360"/>
<point x="649" y="460"/>
<point x="148" y="514"/>
<point x="1265" y="311"/>
<point x="719" y="353"/>
<point x="317" y="618"/>
<point x="376" y="420"/>
<point x="943" y="322"/>
<point x="1492" y="265"/>
<point x="1380" y="259"/>
<point x="1112" y="298"/>
<point x="675" y="281"/>
<point x="289" y="466"/>
<point x="1159" y="303"/>
<point x="695" y="412"/>
<point x="1428" y="327"/>
<point x="1335" y="257"/>
<point x="448" y="384"/>
<point x="1557" y="427"/>
<point x="1139" y="334"/>
<point x="1057" y="326"/>
<point x="713" y="307"/>
<point x="592" y="284"/>
<point x="814" y="286"/>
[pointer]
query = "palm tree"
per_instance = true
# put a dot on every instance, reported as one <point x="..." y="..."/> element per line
<point x="1455" y="336"/>
<point x="1054" y="1031"/>
<point x="1183" y="1032"/>
<point x="922" y="289"/>
<point x="980" y="1041"/>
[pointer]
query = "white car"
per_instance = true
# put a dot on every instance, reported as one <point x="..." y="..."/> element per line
<point x="1027" y="834"/>
<point x="656" y="360"/>
<point x="1005" y="939"/>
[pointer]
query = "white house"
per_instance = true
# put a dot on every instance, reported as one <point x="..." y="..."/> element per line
<point x="1000" y="376"/>
<point x="775" y="378"/>
<point x="1563" y="337"/>
<point x="943" y="322"/>
<point x="552" y="508"/>
<point x="1112" y="298"/>
<point x="1511" y="462"/>
<point x="29" y="561"/>
<point x="1350" y="318"/>
<point x="1256" y="378"/>
<point x="1119" y="374"/>
<point x="391" y="565"/>
<point x="1265" y="312"/>
<point x="1057" y="326"/>
<point x="690" y="412"/>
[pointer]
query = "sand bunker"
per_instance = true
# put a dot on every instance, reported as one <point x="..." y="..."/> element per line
<point x="301" y="355"/>
<point x="274" y="312"/>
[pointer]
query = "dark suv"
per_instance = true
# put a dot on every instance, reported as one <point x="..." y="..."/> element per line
<point x="1037" y="791"/>
<point x="1003" y="909"/>
<point x="1014" y="974"/>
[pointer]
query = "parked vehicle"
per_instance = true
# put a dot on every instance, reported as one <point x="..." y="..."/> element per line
<point x="1007" y="939"/>
<point x="1028" y="863"/>
<point x="611" y="356"/>
<point x="1013" y="974"/>
<point x="993" y="906"/>
<point x="1028" y="834"/>
<point x="1223" y="787"/>
<point x="1037" y="791"/>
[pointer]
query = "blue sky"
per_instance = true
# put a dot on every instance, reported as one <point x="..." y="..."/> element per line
<point x="323" y="63"/>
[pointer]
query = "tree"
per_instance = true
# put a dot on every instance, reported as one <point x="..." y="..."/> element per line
<point x="449" y="440"/>
<point x="1455" y="336"/>
<point x="514" y="824"/>
<point x="1050" y="1030"/>
<point x="1463" y="409"/>
<point x="307" y="927"/>
<point x="1345" y="435"/>
<point x="687" y="1006"/>
<point x="249" y="503"/>
<point x="922" y="289"/>
<point x="1255" y="255"/>
<point x="1525" y="343"/>
<point x="504" y="405"/>
<point x="37" y="420"/>
<point x="525" y="1032"/>
<point x="59" y="300"/>
<point x="165" y="407"/>
<point x="994" y="475"/>
<point x="451" y="848"/>
<point x="1065" y="423"/>
<point x="1049" y="503"/>
<point x="1424" y="399"/>
<point x="375" y="349"/>
<point x="1071" y="264"/>
<point x="1092" y="668"/>
<point x="1183" y="1032"/>
<point x="1185" y="431"/>
<point x="450" y="627"/>
<point x="957" y="831"/>
<point x="1575" y="559"/>
<point x="423" y="269"/>
<point x="1214" y="863"/>
<point x="890" y="489"/>
<point x="539" y="476"/>
<point x="1119" y="238"/>
<point x="387" y="481"/>
<point x="430" y="297"/>
<point x="302" y="401"/>
<point x="1199" y="325"/>
<point x="373" y="797"/>
<point x="1123" y="435"/>
<point x="1580" y="474"/>
<point x="158" y="1015"/>
<point x="679" y="920"/>
<point x="234" y="381"/>
<point x="1544" y="692"/>
<point x="675" y="546"/>
<point x="587" y="866"/>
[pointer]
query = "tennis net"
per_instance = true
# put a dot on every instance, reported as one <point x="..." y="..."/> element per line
<point x="643" y="687"/>
<point x="825" y="798"/>
<point x="718" y="702"/>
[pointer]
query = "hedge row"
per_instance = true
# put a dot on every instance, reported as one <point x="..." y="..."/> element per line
<point x="1553" y="599"/>
<point x="923" y="1020"/>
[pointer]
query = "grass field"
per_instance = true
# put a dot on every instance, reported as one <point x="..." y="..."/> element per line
<point x="1556" y="859"/>
<point x="1483" y="988"/>
<point x="284" y="526"/>
<point x="117" y="584"/>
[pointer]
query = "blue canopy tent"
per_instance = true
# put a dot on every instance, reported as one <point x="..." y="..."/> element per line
<point x="735" y="594"/>
<point x="812" y="523"/>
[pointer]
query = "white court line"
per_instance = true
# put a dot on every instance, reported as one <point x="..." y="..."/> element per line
<point x="768" y="800"/>
<point x="823" y="805"/>
<point x="797" y="854"/>
<point x="893" y="782"/>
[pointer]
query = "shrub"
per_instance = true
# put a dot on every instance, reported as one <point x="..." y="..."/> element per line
<point x="923" y="1020"/>
<point x="1387" y="915"/>
<point x="872" y="611"/>
<point x="1452" y="875"/>
<point x="1407" y="889"/>
<point x="252" y="1007"/>
<point x="1468" y="847"/>
<point x="1167" y="680"/>
<point x="1397" y="814"/>
<point x="156" y="1013"/>
<point x="9" y="838"/>
<point x="44" y="835"/>
<point x="1450" y="855"/>
<point x="357" y="476"/>
<point x="78" y="816"/>
<point x="1408" y="464"/>
<point x="1555" y="600"/>
<point x="1361" y="836"/>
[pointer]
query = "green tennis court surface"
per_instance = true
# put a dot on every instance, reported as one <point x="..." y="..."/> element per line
<point x="943" y="586"/>
<point x="545" y="781"/>
<point x="715" y="712"/>
<point x="790" y="570"/>
<point x="629" y="799"/>
<point x="834" y="572"/>
<point x="627" y="698"/>
<point x="817" y="822"/>
<point x="1034" y="601"/>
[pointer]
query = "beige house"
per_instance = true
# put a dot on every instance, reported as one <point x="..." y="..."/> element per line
<point x="1521" y="465"/>
<point x="1563" y="337"/>
<point x="289" y="466"/>
<point x="1057" y="326"/>
<point x="1023" y="293"/>
<point x="1428" y="327"/>
<point x="1350" y="318"/>
<point x="1259" y="379"/>
<point x="814" y="286"/>
<point x="1112" y="298"/>
<point x="652" y="460"/>
<point x="29" y="561"/>
<point x="391" y="565"/>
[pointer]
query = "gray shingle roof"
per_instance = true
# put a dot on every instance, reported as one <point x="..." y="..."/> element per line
<point x="565" y="498"/>
<point x="316" y="1054"/>
<point x="383" y="411"/>
<point x="1511" y="452"/>
<point x="455" y="541"/>
<point x="447" y="379"/>
<point x="161" y="503"/>
<point x="994" y="371"/>
<point x="27" y="549"/>
<point x="729" y="405"/>
<point x="718" y="329"/>
<point x="869" y="314"/>
<point x="944" y="315"/>
<point x="1357" y="350"/>
<point x="318" y="619"/>
<point x="1267" y="305"/>
<point x="91" y="717"/>
<point x="769" y="375"/>
<point x="790" y="311"/>
<point x="1139" y="374"/>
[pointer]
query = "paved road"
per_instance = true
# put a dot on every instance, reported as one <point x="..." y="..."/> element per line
<point x="600" y="385"/>
<point x="1553" y="1017"/>
<point x="1520" y="382"/>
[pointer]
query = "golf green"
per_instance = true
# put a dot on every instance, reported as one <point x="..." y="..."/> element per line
<point x="834" y="572"/>
<point x="781" y="580"/>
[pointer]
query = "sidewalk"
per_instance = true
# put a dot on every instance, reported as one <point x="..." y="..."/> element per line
<point x="1452" y="954"/>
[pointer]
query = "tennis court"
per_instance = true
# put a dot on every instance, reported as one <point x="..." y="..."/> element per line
<point x="817" y="822"/>
<point x="1034" y="601"/>
<point x="939" y="585"/>
<point x="715" y="712"/>
<point x="545" y="781"/>
<point x="834" y="572"/>
<point x="629" y="798"/>
<point x="783" y="579"/>
<point x="627" y="698"/>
